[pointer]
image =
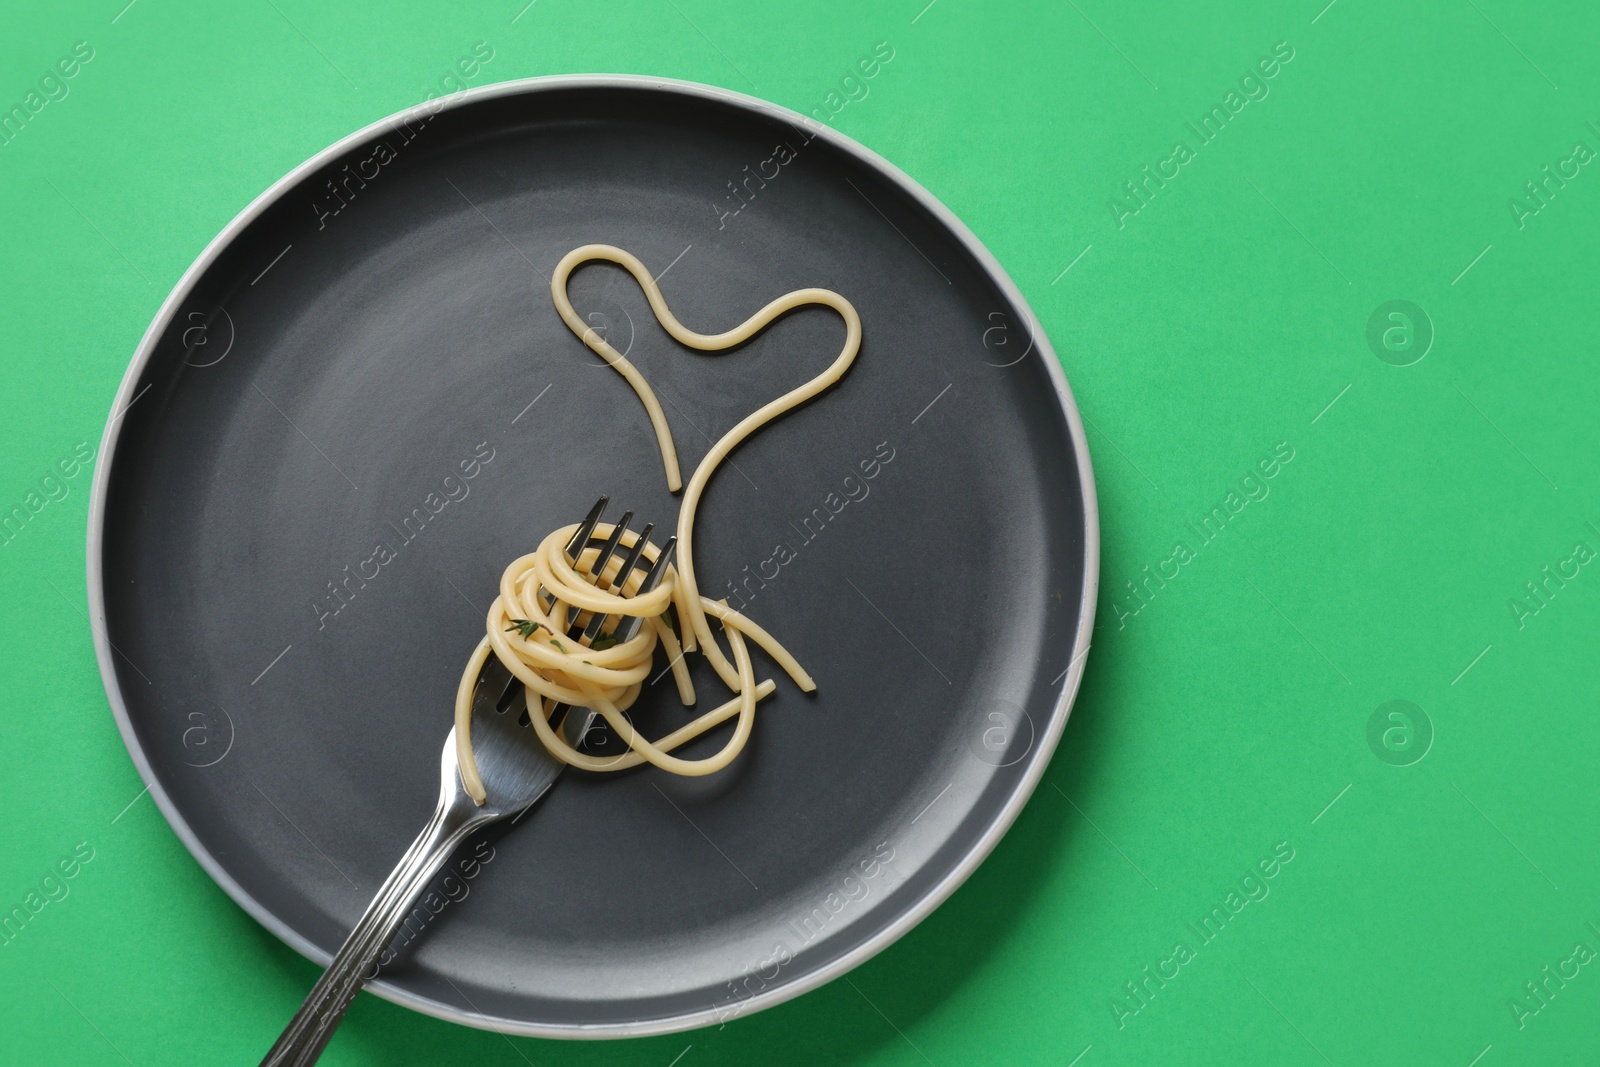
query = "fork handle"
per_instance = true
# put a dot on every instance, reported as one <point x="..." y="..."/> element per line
<point x="303" y="1040"/>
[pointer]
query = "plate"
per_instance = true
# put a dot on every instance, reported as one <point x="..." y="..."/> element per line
<point x="359" y="404"/>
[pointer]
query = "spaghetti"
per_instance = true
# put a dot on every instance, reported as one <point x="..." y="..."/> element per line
<point x="546" y="591"/>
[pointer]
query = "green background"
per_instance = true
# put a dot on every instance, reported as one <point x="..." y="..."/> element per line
<point x="1229" y="715"/>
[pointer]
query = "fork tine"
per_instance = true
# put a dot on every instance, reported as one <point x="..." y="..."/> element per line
<point x="586" y="527"/>
<point x="632" y="560"/>
<point x="607" y="550"/>
<point x="580" y="537"/>
<point x="631" y="623"/>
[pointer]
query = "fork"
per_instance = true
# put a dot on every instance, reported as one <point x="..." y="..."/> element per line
<point x="516" y="771"/>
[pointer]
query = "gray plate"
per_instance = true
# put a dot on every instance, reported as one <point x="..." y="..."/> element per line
<point x="374" y="329"/>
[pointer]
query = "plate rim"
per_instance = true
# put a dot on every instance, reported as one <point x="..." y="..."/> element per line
<point x="883" y="938"/>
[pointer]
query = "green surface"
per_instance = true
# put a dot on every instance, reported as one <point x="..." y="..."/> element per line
<point x="1228" y="314"/>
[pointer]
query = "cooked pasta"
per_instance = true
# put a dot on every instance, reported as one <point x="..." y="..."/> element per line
<point x="546" y="592"/>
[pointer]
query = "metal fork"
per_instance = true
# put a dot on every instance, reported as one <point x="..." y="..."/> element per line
<point x="516" y="771"/>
